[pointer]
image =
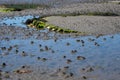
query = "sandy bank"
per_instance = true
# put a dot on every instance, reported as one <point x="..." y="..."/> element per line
<point x="80" y="8"/>
<point x="87" y="24"/>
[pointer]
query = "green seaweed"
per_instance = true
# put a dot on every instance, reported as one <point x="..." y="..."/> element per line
<point x="6" y="9"/>
<point x="41" y="24"/>
<point x="19" y="7"/>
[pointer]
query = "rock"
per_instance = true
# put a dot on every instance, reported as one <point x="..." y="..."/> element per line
<point x="23" y="53"/>
<point x="84" y="77"/>
<point x="21" y="71"/>
<point x="80" y="58"/>
<point x="74" y="51"/>
<point x="69" y="61"/>
<point x="29" y="21"/>
<point x="4" y="64"/>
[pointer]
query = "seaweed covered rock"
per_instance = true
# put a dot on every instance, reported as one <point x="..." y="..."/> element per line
<point x="40" y="23"/>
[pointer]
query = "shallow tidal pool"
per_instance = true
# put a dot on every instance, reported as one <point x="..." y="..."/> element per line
<point x="85" y="57"/>
<point x="101" y="54"/>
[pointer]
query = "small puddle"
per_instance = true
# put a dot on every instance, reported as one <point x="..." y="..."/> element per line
<point x="16" y="21"/>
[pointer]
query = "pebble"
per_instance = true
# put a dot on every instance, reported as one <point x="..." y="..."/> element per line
<point x="21" y="71"/>
<point x="41" y="49"/>
<point x="82" y="41"/>
<point x="88" y="69"/>
<point x="91" y="39"/>
<point x="32" y="42"/>
<point x="84" y="77"/>
<point x="38" y="58"/>
<point x="40" y="45"/>
<point x="53" y="51"/>
<point x="80" y="58"/>
<point x="96" y="44"/>
<point x="16" y="51"/>
<point x="46" y="48"/>
<point x="78" y="40"/>
<point x="74" y="51"/>
<point x="112" y="37"/>
<point x="23" y="53"/>
<point x="69" y="61"/>
<point x="3" y="48"/>
<point x="10" y="48"/>
<point x="67" y="44"/>
<point x="104" y="39"/>
<point x="64" y="56"/>
<point x="4" y="64"/>
<point x="44" y="59"/>
<point x="66" y="67"/>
